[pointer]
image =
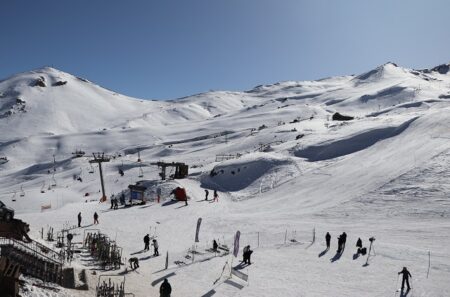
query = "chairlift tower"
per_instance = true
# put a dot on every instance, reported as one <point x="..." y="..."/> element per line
<point x="99" y="158"/>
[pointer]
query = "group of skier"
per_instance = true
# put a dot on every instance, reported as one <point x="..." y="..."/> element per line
<point x="79" y="219"/>
<point x="154" y="244"/>
<point x="215" y="196"/>
<point x="362" y="251"/>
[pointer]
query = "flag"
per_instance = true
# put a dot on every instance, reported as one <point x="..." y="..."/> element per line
<point x="199" y="221"/>
<point x="236" y="243"/>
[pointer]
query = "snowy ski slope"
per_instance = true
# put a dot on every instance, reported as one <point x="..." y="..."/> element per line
<point x="290" y="170"/>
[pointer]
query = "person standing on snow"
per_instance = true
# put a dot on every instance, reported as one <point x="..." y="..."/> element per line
<point x="216" y="196"/>
<point x="206" y="194"/>
<point x="95" y="218"/>
<point x="155" y="248"/>
<point x="165" y="290"/>
<point x="406" y="275"/>
<point x="147" y="242"/>
<point x="79" y="219"/>
<point x="215" y="245"/>
<point x="328" y="240"/>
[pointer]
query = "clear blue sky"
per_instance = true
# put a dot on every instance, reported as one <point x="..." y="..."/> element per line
<point x="166" y="49"/>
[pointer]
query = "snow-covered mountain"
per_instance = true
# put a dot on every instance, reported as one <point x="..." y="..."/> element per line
<point x="290" y="167"/>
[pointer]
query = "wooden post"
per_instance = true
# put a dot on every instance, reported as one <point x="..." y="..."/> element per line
<point x="285" y="237"/>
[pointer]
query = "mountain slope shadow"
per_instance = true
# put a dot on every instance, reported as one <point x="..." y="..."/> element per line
<point x="353" y="144"/>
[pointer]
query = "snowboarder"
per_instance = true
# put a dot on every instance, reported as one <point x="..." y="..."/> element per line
<point x="155" y="248"/>
<point x="79" y="219"/>
<point x="165" y="290"/>
<point x="147" y="242"/>
<point x="215" y="245"/>
<point x="406" y="275"/>
<point x="95" y="218"/>
<point x="206" y="194"/>
<point x="328" y="239"/>
<point x="216" y="196"/>
<point x="134" y="263"/>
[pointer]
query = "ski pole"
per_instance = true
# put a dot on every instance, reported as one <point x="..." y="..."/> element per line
<point x="396" y="285"/>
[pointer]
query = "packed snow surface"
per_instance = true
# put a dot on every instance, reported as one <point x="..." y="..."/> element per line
<point x="285" y="174"/>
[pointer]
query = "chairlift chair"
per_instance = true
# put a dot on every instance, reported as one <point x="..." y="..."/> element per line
<point x="22" y="192"/>
<point x="43" y="187"/>
<point x="141" y="172"/>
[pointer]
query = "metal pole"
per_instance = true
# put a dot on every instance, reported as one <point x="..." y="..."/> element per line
<point x="101" y="179"/>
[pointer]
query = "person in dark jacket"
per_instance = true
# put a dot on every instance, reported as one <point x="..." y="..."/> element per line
<point x="216" y="196"/>
<point x="406" y="275"/>
<point x="215" y="245"/>
<point x="247" y="252"/>
<point x="79" y="219"/>
<point x="359" y="243"/>
<point x="95" y="218"/>
<point x="147" y="242"/>
<point x="206" y="194"/>
<point x="134" y="263"/>
<point x="155" y="248"/>
<point x="165" y="290"/>
<point x="328" y="239"/>
<point x="344" y="239"/>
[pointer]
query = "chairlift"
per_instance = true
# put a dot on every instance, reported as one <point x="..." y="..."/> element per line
<point x="53" y="181"/>
<point x="91" y="170"/>
<point x="141" y="172"/>
<point x="22" y="192"/>
<point x="43" y="187"/>
<point x="13" y="198"/>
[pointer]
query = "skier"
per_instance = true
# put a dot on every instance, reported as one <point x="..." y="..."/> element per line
<point x="134" y="263"/>
<point x="95" y="218"/>
<point x="155" y="248"/>
<point x="328" y="239"/>
<point x="147" y="242"/>
<point x="215" y="245"/>
<point x="246" y="255"/>
<point x="216" y="196"/>
<point x="344" y="239"/>
<point x="165" y="289"/>
<point x="359" y="243"/>
<point x="406" y="275"/>
<point x="112" y="201"/>
<point x="206" y="194"/>
<point x="116" y="203"/>
<point x="158" y="193"/>
<point x="339" y="244"/>
<point x="79" y="219"/>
